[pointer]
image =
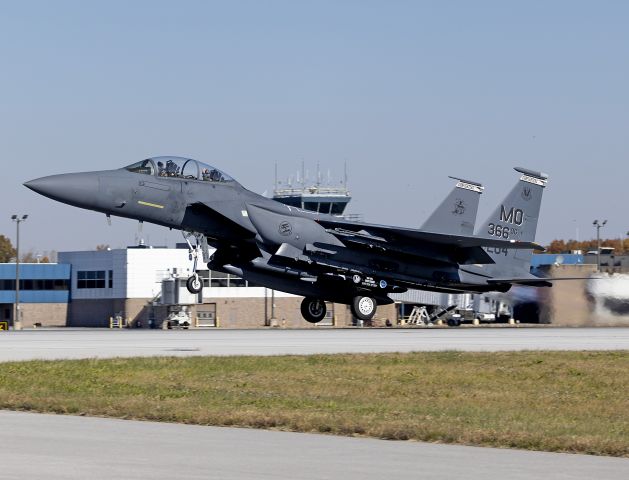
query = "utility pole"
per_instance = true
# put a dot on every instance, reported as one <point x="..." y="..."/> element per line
<point x="598" y="226"/>
<point x="17" y="319"/>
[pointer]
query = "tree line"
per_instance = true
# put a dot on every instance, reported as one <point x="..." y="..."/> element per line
<point x="8" y="252"/>
<point x="566" y="246"/>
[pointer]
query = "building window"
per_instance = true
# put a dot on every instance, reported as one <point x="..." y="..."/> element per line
<point x="111" y="279"/>
<point x="61" y="284"/>
<point x="90" y="279"/>
<point x="36" y="284"/>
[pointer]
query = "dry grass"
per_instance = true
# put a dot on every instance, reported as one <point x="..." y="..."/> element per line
<point x="554" y="401"/>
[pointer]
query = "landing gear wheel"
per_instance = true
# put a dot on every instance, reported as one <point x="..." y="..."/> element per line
<point x="194" y="284"/>
<point x="313" y="309"/>
<point x="364" y="308"/>
<point x="454" y="322"/>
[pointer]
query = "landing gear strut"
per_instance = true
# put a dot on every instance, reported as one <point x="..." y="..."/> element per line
<point x="313" y="309"/>
<point x="199" y="250"/>
<point x="364" y="308"/>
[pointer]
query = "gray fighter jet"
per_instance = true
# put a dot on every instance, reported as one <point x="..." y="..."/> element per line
<point x="319" y="256"/>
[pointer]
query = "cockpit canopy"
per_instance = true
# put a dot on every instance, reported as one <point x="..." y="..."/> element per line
<point x="179" y="167"/>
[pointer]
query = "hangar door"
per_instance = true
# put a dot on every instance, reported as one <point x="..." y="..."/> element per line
<point x="206" y="315"/>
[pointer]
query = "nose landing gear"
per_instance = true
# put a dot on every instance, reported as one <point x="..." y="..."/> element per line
<point x="194" y="284"/>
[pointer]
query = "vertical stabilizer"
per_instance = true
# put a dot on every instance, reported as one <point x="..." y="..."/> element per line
<point x="515" y="218"/>
<point x="457" y="213"/>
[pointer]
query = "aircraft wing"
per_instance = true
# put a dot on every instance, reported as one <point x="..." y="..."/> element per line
<point x="401" y="234"/>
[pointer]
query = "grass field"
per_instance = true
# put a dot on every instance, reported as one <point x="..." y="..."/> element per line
<point x="554" y="401"/>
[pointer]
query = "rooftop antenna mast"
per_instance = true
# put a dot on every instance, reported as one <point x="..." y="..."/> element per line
<point x="275" y="176"/>
<point x="303" y="174"/>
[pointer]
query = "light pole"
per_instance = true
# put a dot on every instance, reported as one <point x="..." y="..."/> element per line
<point x="17" y="320"/>
<point x="598" y="226"/>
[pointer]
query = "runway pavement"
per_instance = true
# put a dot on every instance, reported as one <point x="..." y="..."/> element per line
<point x="65" y="447"/>
<point x="74" y="343"/>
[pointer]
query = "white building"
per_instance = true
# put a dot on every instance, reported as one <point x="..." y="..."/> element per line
<point x="123" y="282"/>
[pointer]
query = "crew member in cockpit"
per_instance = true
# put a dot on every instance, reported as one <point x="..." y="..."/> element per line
<point x="211" y="175"/>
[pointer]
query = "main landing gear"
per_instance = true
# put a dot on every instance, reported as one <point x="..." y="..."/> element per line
<point x="364" y="308"/>
<point x="313" y="309"/>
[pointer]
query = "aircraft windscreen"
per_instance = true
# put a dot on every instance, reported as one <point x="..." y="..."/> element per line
<point x="145" y="167"/>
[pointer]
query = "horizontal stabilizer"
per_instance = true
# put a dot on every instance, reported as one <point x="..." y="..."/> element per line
<point x="530" y="282"/>
<point x="460" y="241"/>
<point x="534" y="281"/>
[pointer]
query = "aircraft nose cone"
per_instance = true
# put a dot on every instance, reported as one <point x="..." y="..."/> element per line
<point x="38" y="185"/>
<point x="80" y="189"/>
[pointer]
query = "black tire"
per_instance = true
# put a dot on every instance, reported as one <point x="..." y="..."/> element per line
<point x="313" y="309"/>
<point x="454" y="322"/>
<point x="194" y="284"/>
<point x="364" y="308"/>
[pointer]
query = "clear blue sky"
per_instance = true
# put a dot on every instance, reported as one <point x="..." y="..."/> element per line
<point x="406" y="92"/>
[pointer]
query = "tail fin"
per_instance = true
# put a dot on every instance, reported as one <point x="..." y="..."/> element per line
<point x="515" y="219"/>
<point x="457" y="213"/>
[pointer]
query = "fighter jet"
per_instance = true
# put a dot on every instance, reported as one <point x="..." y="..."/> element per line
<point x="318" y="256"/>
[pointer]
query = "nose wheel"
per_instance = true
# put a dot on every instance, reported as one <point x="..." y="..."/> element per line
<point x="194" y="284"/>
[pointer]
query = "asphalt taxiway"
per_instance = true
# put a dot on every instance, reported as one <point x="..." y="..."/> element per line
<point x="90" y="343"/>
<point x="66" y="447"/>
